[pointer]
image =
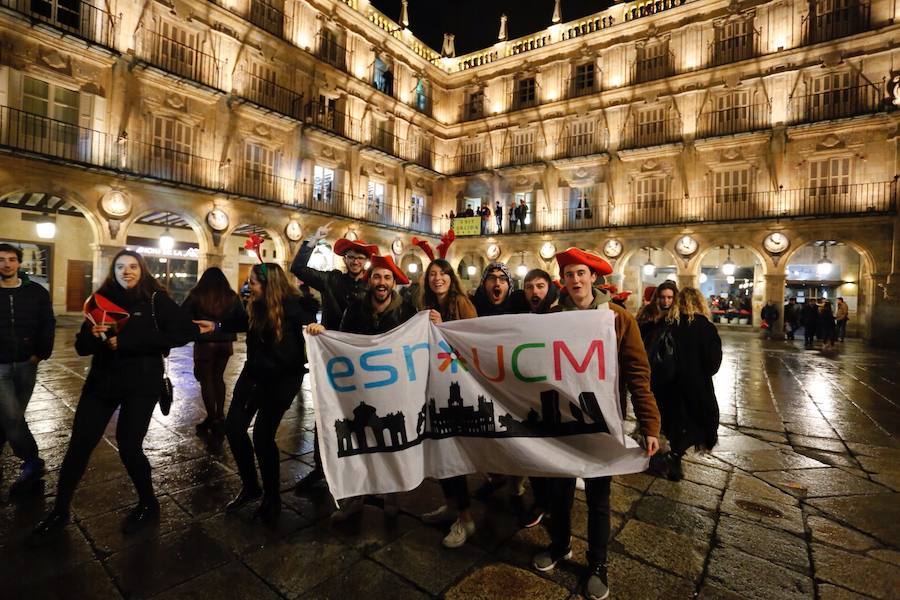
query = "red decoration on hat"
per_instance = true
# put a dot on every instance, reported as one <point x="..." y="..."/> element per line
<point x="614" y="292"/>
<point x="442" y="248"/>
<point x="386" y="262"/>
<point x="343" y="246"/>
<point x="576" y="256"/>
<point x="253" y="242"/>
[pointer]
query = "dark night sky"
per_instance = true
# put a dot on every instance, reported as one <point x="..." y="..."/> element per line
<point x="476" y="22"/>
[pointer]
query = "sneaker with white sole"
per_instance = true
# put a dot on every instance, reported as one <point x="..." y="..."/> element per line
<point x="597" y="586"/>
<point x="444" y="514"/>
<point x="460" y="531"/>
<point x="546" y="561"/>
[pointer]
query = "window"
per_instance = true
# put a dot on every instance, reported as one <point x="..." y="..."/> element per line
<point x="327" y="115"/>
<point x="734" y="41"/>
<point x="583" y="79"/>
<point x="51" y="119"/>
<point x="268" y="14"/>
<point x="581" y="138"/>
<point x="733" y="112"/>
<point x="732" y="185"/>
<point x="832" y="96"/>
<point x="522" y="150"/>
<point x="526" y="93"/>
<point x="471" y="155"/>
<point x="650" y="192"/>
<point x="421" y="96"/>
<point x="653" y="62"/>
<point x="475" y="105"/>
<point x="375" y="207"/>
<point x="829" y="176"/>
<point x="581" y="201"/>
<point x="416" y="208"/>
<point x="383" y="76"/>
<point x="62" y="12"/>
<point x="330" y="49"/>
<point x="528" y="197"/>
<point x="258" y="172"/>
<point x="172" y="149"/>
<point x="651" y="126"/>
<point x="323" y="184"/>
<point x="381" y="135"/>
<point x="263" y="84"/>
<point x="177" y="50"/>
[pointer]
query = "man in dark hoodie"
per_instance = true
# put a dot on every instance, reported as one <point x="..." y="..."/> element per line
<point x="26" y="338"/>
<point x="492" y="296"/>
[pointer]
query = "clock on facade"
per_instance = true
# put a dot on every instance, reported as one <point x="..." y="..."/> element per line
<point x="293" y="231"/>
<point x="397" y="247"/>
<point x="493" y="251"/>
<point x="217" y="219"/>
<point x="115" y="204"/>
<point x="686" y="245"/>
<point x="548" y="250"/>
<point x="776" y="243"/>
<point x="612" y="248"/>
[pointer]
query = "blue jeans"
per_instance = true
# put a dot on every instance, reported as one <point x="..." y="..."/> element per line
<point x="16" y="384"/>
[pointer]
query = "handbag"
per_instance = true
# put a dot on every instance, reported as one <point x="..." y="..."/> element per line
<point x="167" y="392"/>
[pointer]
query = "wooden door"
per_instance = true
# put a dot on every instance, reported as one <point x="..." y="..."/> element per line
<point x="79" y="276"/>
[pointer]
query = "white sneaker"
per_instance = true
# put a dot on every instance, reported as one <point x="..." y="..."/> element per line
<point x="444" y="514"/>
<point x="579" y="484"/>
<point x="460" y="531"/>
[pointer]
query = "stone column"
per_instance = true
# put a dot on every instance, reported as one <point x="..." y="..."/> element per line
<point x="210" y="259"/>
<point x="884" y="319"/>
<point x="775" y="292"/>
<point x="103" y="256"/>
<point x="688" y="280"/>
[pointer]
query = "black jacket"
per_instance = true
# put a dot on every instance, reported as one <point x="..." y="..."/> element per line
<point x="268" y="358"/>
<point x="234" y="313"/>
<point x="769" y="313"/>
<point x="518" y="304"/>
<point x="27" y="324"/>
<point x="338" y="289"/>
<point x="136" y="367"/>
<point x="360" y="318"/>
<point x="809" y="314"/>
<point x="485" y="308"/>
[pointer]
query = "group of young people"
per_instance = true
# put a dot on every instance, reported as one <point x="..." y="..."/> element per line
<point x="127" y="366"/>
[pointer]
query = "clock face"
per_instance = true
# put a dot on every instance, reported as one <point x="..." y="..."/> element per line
<point x="217" y="219"/>
<point x="612" y="248"/>
<point x="493" y="251"/>
<point x="293" y="231"/>
<point x="115" y="204"/>
<point x="548" y="250"/>
<point x="397" y="247"/>
<point x="776" y="243"/>
<point x="686" y="245"/>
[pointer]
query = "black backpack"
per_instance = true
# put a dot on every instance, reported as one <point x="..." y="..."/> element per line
<point x="662" y="356"/>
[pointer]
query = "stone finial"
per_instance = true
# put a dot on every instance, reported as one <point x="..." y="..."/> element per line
<point x="449" y="48"/>
<point x="404" y="13"/>
<point x="503" y="34"/>
<point x="557" y="11"/>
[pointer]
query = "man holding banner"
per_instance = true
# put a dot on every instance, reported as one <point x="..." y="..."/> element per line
<point x="580" y="271"/>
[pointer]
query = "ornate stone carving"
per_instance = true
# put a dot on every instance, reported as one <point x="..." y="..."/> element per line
<point x="175" y="101"/>
<point x="262" y="130"/>
<point x="54" y="60"/>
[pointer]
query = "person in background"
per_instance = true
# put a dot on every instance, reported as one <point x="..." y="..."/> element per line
<point x="791" y="318"/>
<point x="809" y="317"/>
<point x="27" y="329"/>
<point x="212" y="299"/>
<point x="513" y="210"/>
<point x="126" y="374"/>
<point x="647" y="296"/>
<point x="841" y="316"/>
<point x="498" y="215"/>
<point x="826" y="325"/>
<point x="769" y="315"/>
<point x="522" y="214"/>
<point x="268" y="383"/>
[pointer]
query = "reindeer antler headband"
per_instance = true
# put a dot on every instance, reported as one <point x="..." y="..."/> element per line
<point x="442" y="248"/>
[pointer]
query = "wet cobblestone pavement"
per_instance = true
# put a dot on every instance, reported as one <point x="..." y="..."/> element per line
<point x="800" y="500"/>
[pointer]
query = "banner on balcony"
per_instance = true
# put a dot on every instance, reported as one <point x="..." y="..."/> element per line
<point x="519" y="394"/>
<point x="467" y="225"/>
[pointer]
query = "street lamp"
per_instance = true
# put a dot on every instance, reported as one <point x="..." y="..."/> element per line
<point x="471" y="270"/>
<point x="823" y="267"/>
<point x="649" y="268"/>
<point x="166" y="241"/>
<point x="412" y="267"/>
<point x="728" y="266"/>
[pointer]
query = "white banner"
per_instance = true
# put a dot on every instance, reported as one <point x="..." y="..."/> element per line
<point x="514" y="394"/>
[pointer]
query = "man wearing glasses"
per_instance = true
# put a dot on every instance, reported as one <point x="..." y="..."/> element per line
<point x="338" y="290"/>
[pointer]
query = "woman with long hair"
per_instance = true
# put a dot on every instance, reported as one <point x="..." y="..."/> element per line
<point x="689" y="410"/>
<point x="212" y="299"/>
<point x="441" y="294"/>
<point x="268" y="383"/>
<point x="126" y="374"/>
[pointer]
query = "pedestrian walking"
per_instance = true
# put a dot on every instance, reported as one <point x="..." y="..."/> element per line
<point x="268" y="383"/>
<point x="687" y="404"/>
<point x="212" y="299"/>
<point x="126" y="373"/>
<point x="809" y="317"/>
<point x="337" y="289"/>
<point x="27" y="328"/>
<point x="769" y="316"/>
<point x="841" y="317"/>
<point x="827" y="325"/>
<point x="580" y="271"/>
<point x="791" y="318"/>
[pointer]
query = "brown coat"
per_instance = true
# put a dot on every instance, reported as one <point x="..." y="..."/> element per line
<point x="634" y="368"/>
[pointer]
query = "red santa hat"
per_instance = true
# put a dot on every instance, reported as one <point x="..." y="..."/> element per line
<point x="343" y="246"/>
<point x="576" y="256"/>
<point x="386" y="262"/>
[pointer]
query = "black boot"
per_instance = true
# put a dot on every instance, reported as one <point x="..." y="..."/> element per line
<point x="29" y="478"/>
<point x="142" y="515"/>
<point x="269" y="509"/>
<point x="674" y="473"/>
<point x="55" y="521"/>
<point x="312" y="479"/>
<point x="247" y="495"/>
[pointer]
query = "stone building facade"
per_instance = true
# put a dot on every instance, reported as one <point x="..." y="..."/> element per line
<point x="678" y="133"/>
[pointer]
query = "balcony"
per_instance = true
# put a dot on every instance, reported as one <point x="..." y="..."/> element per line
<point x="422" y="103"/>
<point x="582" y="144"/>
<point x="331" y="120"/>
<point x="333" y="202"/>
<point x="27" y="132"/>
<point x="836" y="104"/>
<point x="75" y="17"/>
<point x="654" y="133"/>
<point x="261" y="184"/>
<point x="177" y="58"/>
<point x="577" y="87"/>
<point x="523" y="154"/>
<point x="384" y="140"/>
<point x="468" y="163"/>
<point x="734" y="49"/>
<point x="653" y="68"/>
<point x="524" y="96"/>
<point x="167" y="164"/>
<point x="418" y="153"/>
<point x="837" y="23"/>
<point x="739" y="119"/>
<point x="269" y="16"/>
<point x="473" y="110"/>
<point x="328" y="50"/>
<point x="268" y="94"/>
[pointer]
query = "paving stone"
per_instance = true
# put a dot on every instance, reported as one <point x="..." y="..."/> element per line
<point x="687" y="492"/>
<point x="877" y="515"/>
<point x="84" y="580"/>
<point x="890" y="480"/>
<point x="811" y="483"/>
<point x="233" y="581"/>
<point x="632" y="579"/>
<point x="501" y="580"/>
<point x="366" y="579"/>
<point x="678" y="554"/>
<point x="637" y="481"/>
<point x="827" y="444"/>
<point x="864" y="575"/>
<point x="242" y="534"/>
<point x="105" y="531"/>
<point x="370" y="529"/>
<point x="830" y="458"/>
<point x="765" y="434"/>
<point x="712" y="591"/>
<point x="884" y="555"/>
<point x="622" y="498"/>
<point x="772" y="545"/>
<point x="705" y="475"/>
<point x="681" y="518"/>
<point x="828" y="532"/>
<point x="208" y="498"/>
<point x="521" y="549"/>
<point x="24" y="564"/>
<point x="754" y="487"/>
<point x="768" y="460"/>
<point x="741" y="573"/>
<point x="831" y="592"/>
<point x="420" y="557"/>
<point x="299" y="563"/>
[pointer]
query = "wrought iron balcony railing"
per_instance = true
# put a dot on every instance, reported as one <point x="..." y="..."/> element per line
<point x="582" y="144"/>
<point x="324" y="117"/>
<point x="76" y="17"/>
<point x="468" y="163"/>
<point x="269" y="15"/>
<point x="268" y="94"/>
<point x="738" y="119"/>
<point x="523" y="154"/>
<point x="177" y="58"/>
<point x="734" y="49"/>
<point x="653" y="68"/>
<point x="654" y="133"/>
<point x="582" y="86"/>
<point x="837" y="104"/>
<point x="420" y="153"/>
<point x="838" y="22"/>
<point x="28" y="132"/>
<point x="330" y="51"/>
<point x="371" y="210"/>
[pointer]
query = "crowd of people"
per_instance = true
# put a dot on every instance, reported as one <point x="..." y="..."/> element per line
<point x="516" y="213"/>
<point x="667" y="357"/>
<point x="818" y="319"/>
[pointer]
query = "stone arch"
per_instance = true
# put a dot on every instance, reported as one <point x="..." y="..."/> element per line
<point x="709" y="245"/>
<point x="67" y="194"/>
<point x="801" y="240"/>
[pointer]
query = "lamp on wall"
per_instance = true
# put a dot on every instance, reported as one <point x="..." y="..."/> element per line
<point x="649" y="269"/>
<point x="522" y="270"/>
<point x="166" y="241"/>
<point x="412" y="267"/>
<point x="823" y="267"/>
<point x="46" y="227"/>
<point x="728" y="266"/>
